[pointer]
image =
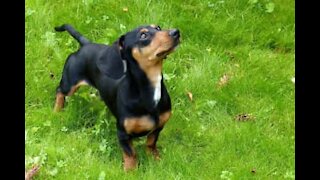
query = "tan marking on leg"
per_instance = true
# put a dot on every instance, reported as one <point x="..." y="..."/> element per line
<point x="164" y="117"/>
<point x="59" y="102"/>
<point x="76" y="87"/>
<point x="151" y="146"/>
<point x="138" y="124"/>
<point x="130" y="162"/>
<point x="152" y="138"/>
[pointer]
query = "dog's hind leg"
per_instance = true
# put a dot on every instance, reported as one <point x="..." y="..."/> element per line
<point x="60" y="94"/>
<point x="70" y="82"/>
<point x="59" y="104"/>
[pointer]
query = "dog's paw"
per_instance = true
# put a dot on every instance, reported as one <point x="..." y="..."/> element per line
<point x="154" y="152"/>
<point x="130" y="163"/>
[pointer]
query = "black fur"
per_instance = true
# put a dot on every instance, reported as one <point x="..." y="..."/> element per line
<point x="126" y="91"/>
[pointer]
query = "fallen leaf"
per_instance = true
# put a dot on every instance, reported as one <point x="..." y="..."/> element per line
<point x="125" y="9"/>
<point x="230" y="54"/>
<point x="51" y="75"/>
<point x="223" y="80"/>
<point x="269" y="7"/>
<point x="254" y="170"/>
<point x="53" y="172"/>
<point x="189" y="95"/>
<point x="30" y="173"/>
<point x="244" y="117"/>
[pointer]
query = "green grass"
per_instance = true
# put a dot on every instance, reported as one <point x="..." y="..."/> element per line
<point x="251" y="41"/>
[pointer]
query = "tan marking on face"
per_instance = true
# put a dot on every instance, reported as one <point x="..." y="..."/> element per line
<point x="76" y="87"/>
<point x="138" y="124"/>
<point x="153" y="25"/>
<point x="147" y="57"/>
<point x="144" y="30"/>
<point x="59" y="102"/>
<point x="161" y="42"/>
<point x="164" y="117"/>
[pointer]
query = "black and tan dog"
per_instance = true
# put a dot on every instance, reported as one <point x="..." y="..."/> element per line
<point x="128" y="76"/>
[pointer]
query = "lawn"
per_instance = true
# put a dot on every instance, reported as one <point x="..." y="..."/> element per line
<point x="230" y="83"/>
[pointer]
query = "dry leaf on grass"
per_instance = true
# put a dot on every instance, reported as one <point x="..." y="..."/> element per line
<point x="223" y="80"/>
<point x="189" y="95"/>
<point x="51" y="75"/>
<point x="30" y="173"/>
<point x="244" y="117"/>
<point x="125" y="9"/>
<point x="254" y="170"/>
<point x="230" y="54"/>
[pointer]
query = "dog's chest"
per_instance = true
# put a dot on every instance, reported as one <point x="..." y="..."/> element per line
<point x="157" y="90"/>
<point x="139" y="125"/>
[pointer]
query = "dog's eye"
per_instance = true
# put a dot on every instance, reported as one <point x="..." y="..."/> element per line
<point x="158" y="28"/>
<point x="143" y="36"/>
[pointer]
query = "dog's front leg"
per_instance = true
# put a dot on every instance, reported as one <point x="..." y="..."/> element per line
<point x="151" y="143"/>
<point x="129" y="154"/>
<point x="153" y="137"/>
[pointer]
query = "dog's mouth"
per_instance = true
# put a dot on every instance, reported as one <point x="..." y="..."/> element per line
<point x="165" y="53"/>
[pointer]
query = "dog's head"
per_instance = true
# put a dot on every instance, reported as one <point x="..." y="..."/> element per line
<point x="147" y="44"/>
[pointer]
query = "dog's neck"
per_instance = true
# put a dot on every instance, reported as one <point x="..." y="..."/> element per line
<point x="147" y="79"/>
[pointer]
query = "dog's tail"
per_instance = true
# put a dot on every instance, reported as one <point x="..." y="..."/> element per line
<point x="75" y="34"/>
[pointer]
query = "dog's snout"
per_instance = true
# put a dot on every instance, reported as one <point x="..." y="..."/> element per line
<point x="175" y="33"/>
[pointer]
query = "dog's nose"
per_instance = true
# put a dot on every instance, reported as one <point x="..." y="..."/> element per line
<point x="175" y="33"/>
